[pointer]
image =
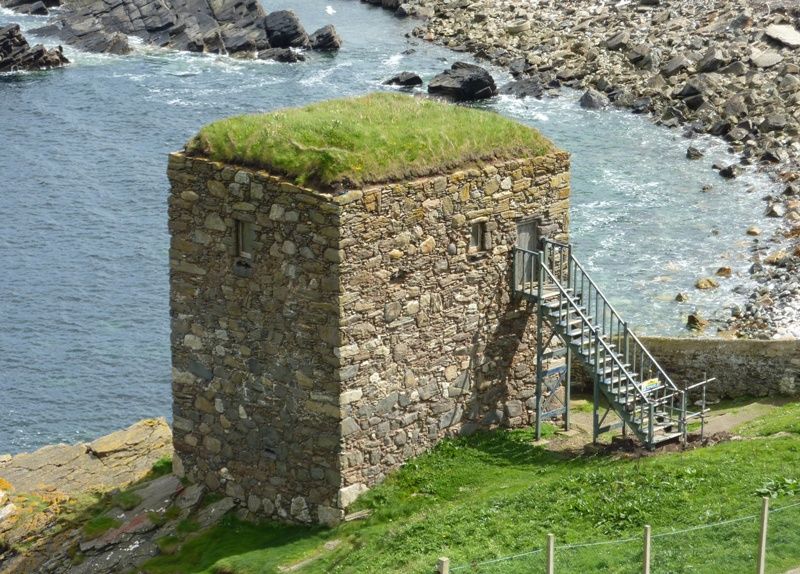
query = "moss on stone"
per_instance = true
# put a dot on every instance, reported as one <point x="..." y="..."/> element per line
<point x="374" y="138"/>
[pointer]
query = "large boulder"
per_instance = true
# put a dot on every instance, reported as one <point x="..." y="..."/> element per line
<point x="593" y="100"/>
<point x="17" y="55"/>
<point x="326" y="39"/>
<point x="285" y="30"/>
<point x="524" y="88"/>
<point x="463" y="82"/>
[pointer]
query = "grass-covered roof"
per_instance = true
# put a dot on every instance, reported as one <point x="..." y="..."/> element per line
<point x="374" y="138"/>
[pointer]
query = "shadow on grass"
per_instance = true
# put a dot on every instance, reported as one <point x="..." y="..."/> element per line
<point x="225" y="548"/>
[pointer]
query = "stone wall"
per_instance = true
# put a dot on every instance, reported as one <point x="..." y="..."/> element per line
<point x="433" y="343"/>
<point x="362" y="328"/>
<point x="742" y="367"/>
<point x="255" y="397"/>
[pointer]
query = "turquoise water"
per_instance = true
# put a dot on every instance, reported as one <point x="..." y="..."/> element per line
<point x="84" y="318"/>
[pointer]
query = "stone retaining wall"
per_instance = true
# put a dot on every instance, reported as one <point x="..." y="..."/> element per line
<point x="362" y="328"/>
<point x="743" y="367"/>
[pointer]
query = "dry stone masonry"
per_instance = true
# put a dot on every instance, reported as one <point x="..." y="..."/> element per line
<point x="320" y="340"/>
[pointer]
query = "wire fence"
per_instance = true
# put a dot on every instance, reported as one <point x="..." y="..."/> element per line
<point x="733" y="545"/>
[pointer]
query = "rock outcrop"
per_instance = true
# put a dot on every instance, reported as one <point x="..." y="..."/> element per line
<point x="325" y="39"/>
<point x="284" y="30"/>
<point x="233" y="27"/>
<point x="35" y="488"/>
<point x="463" y="82"/>
<point x="17" y="55"/>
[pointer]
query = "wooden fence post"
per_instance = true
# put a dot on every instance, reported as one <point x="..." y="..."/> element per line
<point x="762" y="542"/>
<point x="551" y="554"/>
<point x="443" y="566"/>
<point x="646" y="553"/>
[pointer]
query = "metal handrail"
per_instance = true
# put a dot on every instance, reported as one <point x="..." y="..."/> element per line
<point x="595" y="331"/>
<point x="555" y="265"/>
<point x="614" y="312"/>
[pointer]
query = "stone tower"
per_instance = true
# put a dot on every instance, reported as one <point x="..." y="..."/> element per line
<point x="320" y="338"/>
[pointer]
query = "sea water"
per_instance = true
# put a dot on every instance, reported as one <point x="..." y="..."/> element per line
<point x="84" y="310"/>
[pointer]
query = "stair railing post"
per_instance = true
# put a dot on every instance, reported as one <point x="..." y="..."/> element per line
<point x="596" y="390"/>
<point x="651" y="413"/>
<point x="539" y="346"/>
<point x="569" y="260"/>
<point x="567" y="387"/>
<point x="626" y="348"/>
<point x="703" y="410"/>
<point x="683" y="425"/>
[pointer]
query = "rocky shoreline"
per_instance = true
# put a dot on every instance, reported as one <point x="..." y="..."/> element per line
<point x="46" y="499"/>
<point x="229" y="27"/>
<point x="729" y="68"/>
<point x="17" y="55"/>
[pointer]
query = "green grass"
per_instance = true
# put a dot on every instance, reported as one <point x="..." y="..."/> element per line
<point x="126" y="500"/>
<point x="161" y="467"/>
<point x="161" y="518"/>
<point x="374" y="138"/>
<point x="494" y="494"/>
<point x="98" y="525"/>
<point x="785" y="418"/>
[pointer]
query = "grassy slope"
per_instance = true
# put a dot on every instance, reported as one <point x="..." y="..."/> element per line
<point x="494" y="494"/>
<point x="378" y="137"/>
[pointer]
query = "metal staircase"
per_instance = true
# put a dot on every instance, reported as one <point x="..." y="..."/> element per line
<point x="627" y="379"/>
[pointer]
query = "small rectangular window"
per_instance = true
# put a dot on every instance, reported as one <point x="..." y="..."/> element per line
<point x="478" y="239"/>
<point x="244" y="239"/>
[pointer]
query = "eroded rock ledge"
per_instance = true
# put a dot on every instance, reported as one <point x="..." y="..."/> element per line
<point x="232" y="27"/>
<point x="17" y="55"/>
<point x="37" y="487"/>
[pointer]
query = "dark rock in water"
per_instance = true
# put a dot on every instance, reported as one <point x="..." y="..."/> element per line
<point x="693" y="153"/>
<point x="463" y="82"/>
<point x="731" y="171"/>
<point x="35" y="9"/>
<point x="326" y="39"/>
<point x="404" y="79"/>
<point x="281" y="55"/>
<point x="529" y="87"/>
<point x="642" y="105"/>
<point x="285" y="31"/>
<point x="17" y="55"/>
<point x="388" y="4"/>
<point x="696" y="323"/>
<point x="593" y="100"/>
